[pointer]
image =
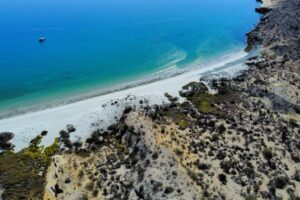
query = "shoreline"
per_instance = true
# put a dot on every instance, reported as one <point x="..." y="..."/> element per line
<point x="163" y="74"/>
<point x="90" y="114"/>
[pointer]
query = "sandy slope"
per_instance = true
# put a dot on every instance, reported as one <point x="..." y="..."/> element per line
<point x="270" y="3"/>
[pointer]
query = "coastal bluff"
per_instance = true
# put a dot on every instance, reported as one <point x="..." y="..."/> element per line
<point x="218" y="138"/>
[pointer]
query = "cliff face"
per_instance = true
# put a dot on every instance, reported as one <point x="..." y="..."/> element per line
<point x="278" y="65"/>
<point x="279" y="30"/>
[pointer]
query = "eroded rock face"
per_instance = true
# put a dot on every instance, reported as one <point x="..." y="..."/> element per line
<point x="275" y="74"/>
<point x="278" y="29"/>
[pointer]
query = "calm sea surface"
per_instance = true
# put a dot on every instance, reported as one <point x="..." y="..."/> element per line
<point x="96" y="44"/>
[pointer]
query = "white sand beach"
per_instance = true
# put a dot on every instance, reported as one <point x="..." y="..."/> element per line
<point x="270" y="3"/>
<point x="98" y="112"/>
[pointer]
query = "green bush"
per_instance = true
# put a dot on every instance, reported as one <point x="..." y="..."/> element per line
<point x="169" y="190"/>
<point x="25" y="171"/>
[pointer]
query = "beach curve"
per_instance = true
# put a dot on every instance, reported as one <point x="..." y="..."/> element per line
<point x="101" y="111"/>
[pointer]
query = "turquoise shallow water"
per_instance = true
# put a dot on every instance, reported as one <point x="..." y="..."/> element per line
<point x="96" y="44"/>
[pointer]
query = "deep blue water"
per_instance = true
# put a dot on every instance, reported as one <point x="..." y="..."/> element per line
<point x="94" y="44"/>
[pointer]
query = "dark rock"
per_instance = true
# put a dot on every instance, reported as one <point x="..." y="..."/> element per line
<point x="262" y="10"/>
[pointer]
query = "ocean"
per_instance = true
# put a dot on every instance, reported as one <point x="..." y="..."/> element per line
<point x="96" y="45"/>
